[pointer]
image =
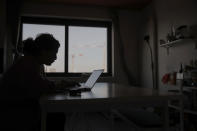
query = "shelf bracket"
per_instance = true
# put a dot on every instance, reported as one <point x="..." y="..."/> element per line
<point x="168" y="49"/>
<point x="195" y="42"/>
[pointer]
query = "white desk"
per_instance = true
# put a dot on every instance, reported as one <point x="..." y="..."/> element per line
<point x="107" y="96"/>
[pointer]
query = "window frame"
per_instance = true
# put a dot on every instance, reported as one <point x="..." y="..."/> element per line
<point x="73" y="22"/>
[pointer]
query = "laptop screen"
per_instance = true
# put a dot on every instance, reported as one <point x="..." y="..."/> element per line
<point x="93" y="78"/>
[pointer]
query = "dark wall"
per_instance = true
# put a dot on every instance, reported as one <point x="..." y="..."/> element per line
<point x="2" y="32"/>
<point x="1" y="60"/>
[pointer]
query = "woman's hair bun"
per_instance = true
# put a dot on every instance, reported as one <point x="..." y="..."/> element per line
<point x="43" y="41"/>
<point x="29" y="46"/>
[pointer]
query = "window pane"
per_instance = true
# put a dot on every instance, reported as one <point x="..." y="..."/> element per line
<point x="87" y="49"/>
<point x="31" y="30"/>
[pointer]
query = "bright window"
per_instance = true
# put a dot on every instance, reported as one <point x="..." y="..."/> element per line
<point x="87" y="49"/>
<point x="31" y="30"/>
<point x="84" y="45"/>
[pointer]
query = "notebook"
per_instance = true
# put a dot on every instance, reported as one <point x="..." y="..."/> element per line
<point x="89" y="84"/>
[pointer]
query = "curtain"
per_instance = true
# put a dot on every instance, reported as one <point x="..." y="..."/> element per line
<point x="13" y="26"/>
<point x="115" y="18"/>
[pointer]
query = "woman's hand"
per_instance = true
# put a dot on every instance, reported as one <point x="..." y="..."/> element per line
<point x="67" y="84"/>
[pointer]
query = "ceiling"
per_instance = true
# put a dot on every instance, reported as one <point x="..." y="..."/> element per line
<point x="104" y="3"/>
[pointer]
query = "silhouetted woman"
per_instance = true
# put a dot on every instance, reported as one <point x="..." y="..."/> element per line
<point x="23" y="83"/>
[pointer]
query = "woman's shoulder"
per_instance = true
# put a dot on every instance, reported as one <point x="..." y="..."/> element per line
<point x="24" y="64"/>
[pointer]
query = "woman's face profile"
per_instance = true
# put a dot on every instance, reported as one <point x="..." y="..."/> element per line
<point x="50" y="56"/>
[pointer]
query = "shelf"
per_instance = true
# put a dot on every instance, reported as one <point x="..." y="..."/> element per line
<point x="185" y="110"/>
<point x="186" y="89"/>
<point x="170" y="44"/>
<point x="190" y="87"/>
<point x="175" y="42"/>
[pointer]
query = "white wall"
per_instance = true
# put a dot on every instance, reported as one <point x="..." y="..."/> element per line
<point x="129" y="21"/>
<point x="177" y="12"/>
<point x="166" y="13"/>
<point x="147" y="28"/>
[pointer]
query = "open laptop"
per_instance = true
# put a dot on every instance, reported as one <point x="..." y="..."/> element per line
<point x="89" y="84"/>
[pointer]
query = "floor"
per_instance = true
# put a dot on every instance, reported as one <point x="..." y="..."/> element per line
<point x="98" y="122"/>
